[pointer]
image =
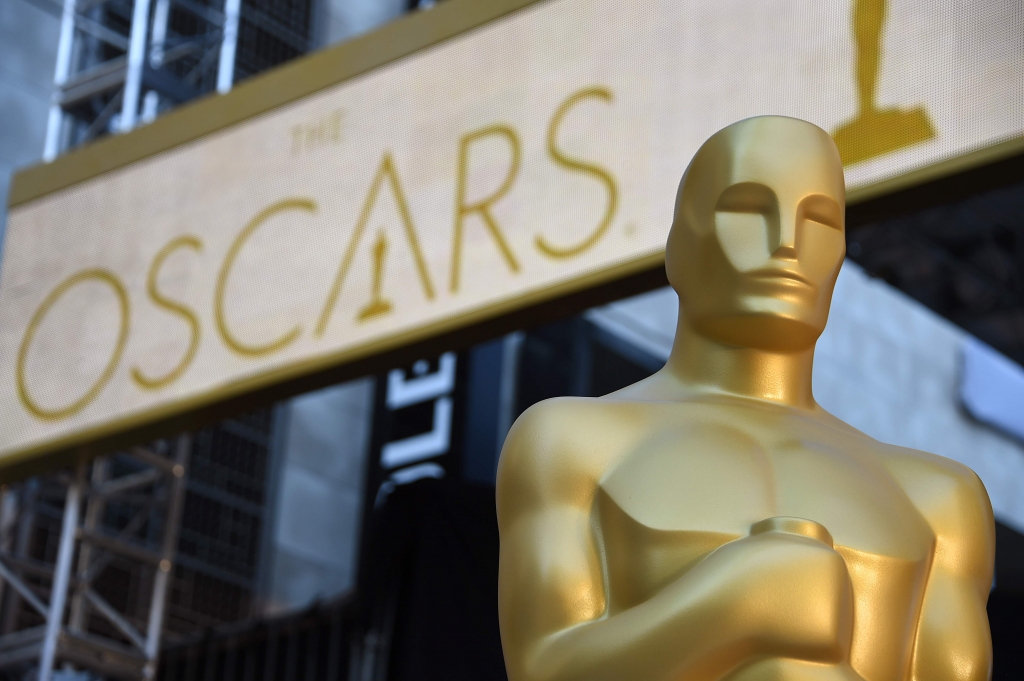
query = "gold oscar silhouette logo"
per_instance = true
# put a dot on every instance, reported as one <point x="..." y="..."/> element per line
<point x="378" y="304"/>
<point x="876" y="131"/>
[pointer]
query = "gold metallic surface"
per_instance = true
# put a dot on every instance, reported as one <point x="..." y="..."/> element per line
<point x="712" y="521"/>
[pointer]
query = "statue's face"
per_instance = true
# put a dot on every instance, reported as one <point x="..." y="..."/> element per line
<point x="758" y="237"/>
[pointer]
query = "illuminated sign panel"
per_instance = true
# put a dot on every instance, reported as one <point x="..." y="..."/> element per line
<point x="534" y="153"/>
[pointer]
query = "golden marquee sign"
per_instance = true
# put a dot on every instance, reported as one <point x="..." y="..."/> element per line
<point x="535" y="153"/>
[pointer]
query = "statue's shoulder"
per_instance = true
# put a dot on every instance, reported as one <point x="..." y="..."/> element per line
<point x="923" y="468"/>
<point x="947" y="493"/>
<point x="558" y="449"/>
<point x="912" y="468"/>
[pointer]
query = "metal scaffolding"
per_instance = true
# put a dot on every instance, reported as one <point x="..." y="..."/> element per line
<point x="120" y="62"/>
<point x="132" y="511"/>
<point x="100" y="567"/>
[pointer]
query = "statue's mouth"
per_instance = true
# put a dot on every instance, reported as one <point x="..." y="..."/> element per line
<point x="776" y="274"/>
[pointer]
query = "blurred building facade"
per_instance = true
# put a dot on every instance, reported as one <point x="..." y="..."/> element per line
<point x="289" y="516"/>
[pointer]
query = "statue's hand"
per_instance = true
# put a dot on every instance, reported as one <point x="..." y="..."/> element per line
<point x="790" y="525"/>
<point x="784" y="590"/>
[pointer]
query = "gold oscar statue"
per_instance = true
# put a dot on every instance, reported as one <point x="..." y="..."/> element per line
<point x="712" y="521"/>
<point x="876" y="131"/>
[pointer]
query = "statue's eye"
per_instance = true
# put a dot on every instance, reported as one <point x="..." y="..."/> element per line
<point x="747" y="197"/>
<point x="823" y="210"/>
<point x="743" y="237"/>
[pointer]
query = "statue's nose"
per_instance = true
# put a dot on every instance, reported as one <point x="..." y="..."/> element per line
<point x="783" y="244"/>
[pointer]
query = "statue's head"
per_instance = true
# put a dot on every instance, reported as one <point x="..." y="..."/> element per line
<point x="759" y="236"/>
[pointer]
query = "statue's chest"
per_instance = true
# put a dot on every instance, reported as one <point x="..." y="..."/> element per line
<point x="686" y="491"/>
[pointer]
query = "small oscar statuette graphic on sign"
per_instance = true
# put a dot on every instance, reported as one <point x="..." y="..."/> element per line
<point x="876" y="131"/>
<point x="378" y="304"/>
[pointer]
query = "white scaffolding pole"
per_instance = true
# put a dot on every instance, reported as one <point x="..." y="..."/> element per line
<point x="228" y="45"/>
<point x="61" y="575"/>
<point x="60" y="76"/>
<point x="158" y="40"/>
<point x="136" y="63"/>
<point x="167" y="550"/>
<point x="161" y="13"/>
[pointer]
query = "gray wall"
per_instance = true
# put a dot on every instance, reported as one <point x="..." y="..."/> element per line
<point x="29" y="31"/>
<point x="339" y="20"/>
<point x="317" y="515"/>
